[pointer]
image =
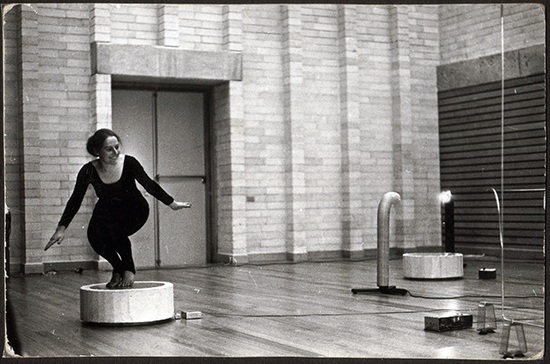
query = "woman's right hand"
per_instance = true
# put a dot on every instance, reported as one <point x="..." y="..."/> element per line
<point x="176" y="205"/>
<point x="57" y="237"/>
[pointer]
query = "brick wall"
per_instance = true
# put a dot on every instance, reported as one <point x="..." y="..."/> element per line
<point x="321" y="128"/>
<point x="287" y="180"/>
<point x="263" y="129"/>
<point x="294" y="130"/>
<point x="134" y="24"/>
<point x="424" y="152"/>
<point x="13" y="130"/>
<point x="469" y="32"/>
<point x="337" y="105"/>
<point x="200" y="27"/>
<point x="47" y="130"/>
<point x="374" y="49"/>
<point x="64" y="122"/>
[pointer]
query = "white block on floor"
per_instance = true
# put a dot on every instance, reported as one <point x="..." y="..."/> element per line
<point x="144" y="302"/>
<point x="433" y="265"/>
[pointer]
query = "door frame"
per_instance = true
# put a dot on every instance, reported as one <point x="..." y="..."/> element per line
<point x="206" y="91"/>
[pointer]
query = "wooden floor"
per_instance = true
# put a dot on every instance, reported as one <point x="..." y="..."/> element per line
<point x="289" y="310"/>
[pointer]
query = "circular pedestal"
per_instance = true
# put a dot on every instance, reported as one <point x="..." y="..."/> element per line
<point x="144" y="302"/>
<point x="433" y="265"/>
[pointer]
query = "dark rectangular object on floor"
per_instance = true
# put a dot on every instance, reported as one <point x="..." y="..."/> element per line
<point x="455" y="321"/>
<point x="487" y="273"/>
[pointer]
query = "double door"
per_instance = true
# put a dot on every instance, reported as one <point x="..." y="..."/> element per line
<point x="165" y="131"/>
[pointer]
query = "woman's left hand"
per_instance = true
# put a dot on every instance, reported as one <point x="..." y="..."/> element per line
<point x="176" y="205"/>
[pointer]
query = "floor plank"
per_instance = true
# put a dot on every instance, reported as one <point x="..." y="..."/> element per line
<point x="274" y="310"/>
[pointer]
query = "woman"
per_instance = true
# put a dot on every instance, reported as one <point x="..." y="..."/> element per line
<point x="120" y="211"/>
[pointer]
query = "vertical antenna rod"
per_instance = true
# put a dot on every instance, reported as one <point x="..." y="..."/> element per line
<point x="500" y="206"/>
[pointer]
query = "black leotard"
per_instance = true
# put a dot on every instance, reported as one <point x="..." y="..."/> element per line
<point x="120" y="211"/>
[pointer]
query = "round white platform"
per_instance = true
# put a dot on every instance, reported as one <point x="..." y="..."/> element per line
<point x="144" y="302"/>
<point x="433" y="265"/>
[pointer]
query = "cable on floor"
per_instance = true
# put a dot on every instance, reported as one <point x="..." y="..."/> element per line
<point x="349" y="314"/>
<point x="322" y="314"/>
<point x="468" y="296"/>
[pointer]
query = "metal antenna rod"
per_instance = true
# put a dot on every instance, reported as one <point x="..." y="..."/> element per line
<point x="500" y="206"/>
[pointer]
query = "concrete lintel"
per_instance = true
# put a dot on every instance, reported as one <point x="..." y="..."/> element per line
<point x="517" y="63"/>
<point x="164" y="62"/>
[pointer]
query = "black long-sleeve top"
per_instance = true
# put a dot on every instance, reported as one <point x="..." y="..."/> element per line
<point x="125" y="188"/>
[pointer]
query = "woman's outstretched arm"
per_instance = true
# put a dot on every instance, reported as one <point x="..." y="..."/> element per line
<point x="72" y="207"/>
<point x="153" y="187"/>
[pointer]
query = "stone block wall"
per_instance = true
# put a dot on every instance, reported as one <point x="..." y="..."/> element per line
<point x="13" y="130"/>
<point x="331" y="106"/>
<point x="48" y="126"/>
<point x="470" y="32"/>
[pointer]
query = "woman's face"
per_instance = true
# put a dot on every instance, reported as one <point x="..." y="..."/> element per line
<point x="110" y="150"/>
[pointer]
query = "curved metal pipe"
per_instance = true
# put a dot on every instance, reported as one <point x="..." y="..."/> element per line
<point x="384" y="207"/>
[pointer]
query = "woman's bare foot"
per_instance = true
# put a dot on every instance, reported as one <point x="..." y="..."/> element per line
<point x="127" y="279"/>
<point x="115" y="280"/>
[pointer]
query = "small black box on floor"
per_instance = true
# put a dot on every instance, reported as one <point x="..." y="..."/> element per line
<point x="487" y="273"/>
<point x="451" y="321"/>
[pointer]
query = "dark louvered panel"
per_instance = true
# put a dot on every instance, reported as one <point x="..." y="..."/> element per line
<point x="470" y="152"/>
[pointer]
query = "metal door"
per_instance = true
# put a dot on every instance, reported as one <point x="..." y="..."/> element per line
<point x="164" y="130"/>
<point x="180" y="146"/>
<point x="132" y="120"/>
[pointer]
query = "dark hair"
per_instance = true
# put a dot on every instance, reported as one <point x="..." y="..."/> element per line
<point x="95" y="142"/>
